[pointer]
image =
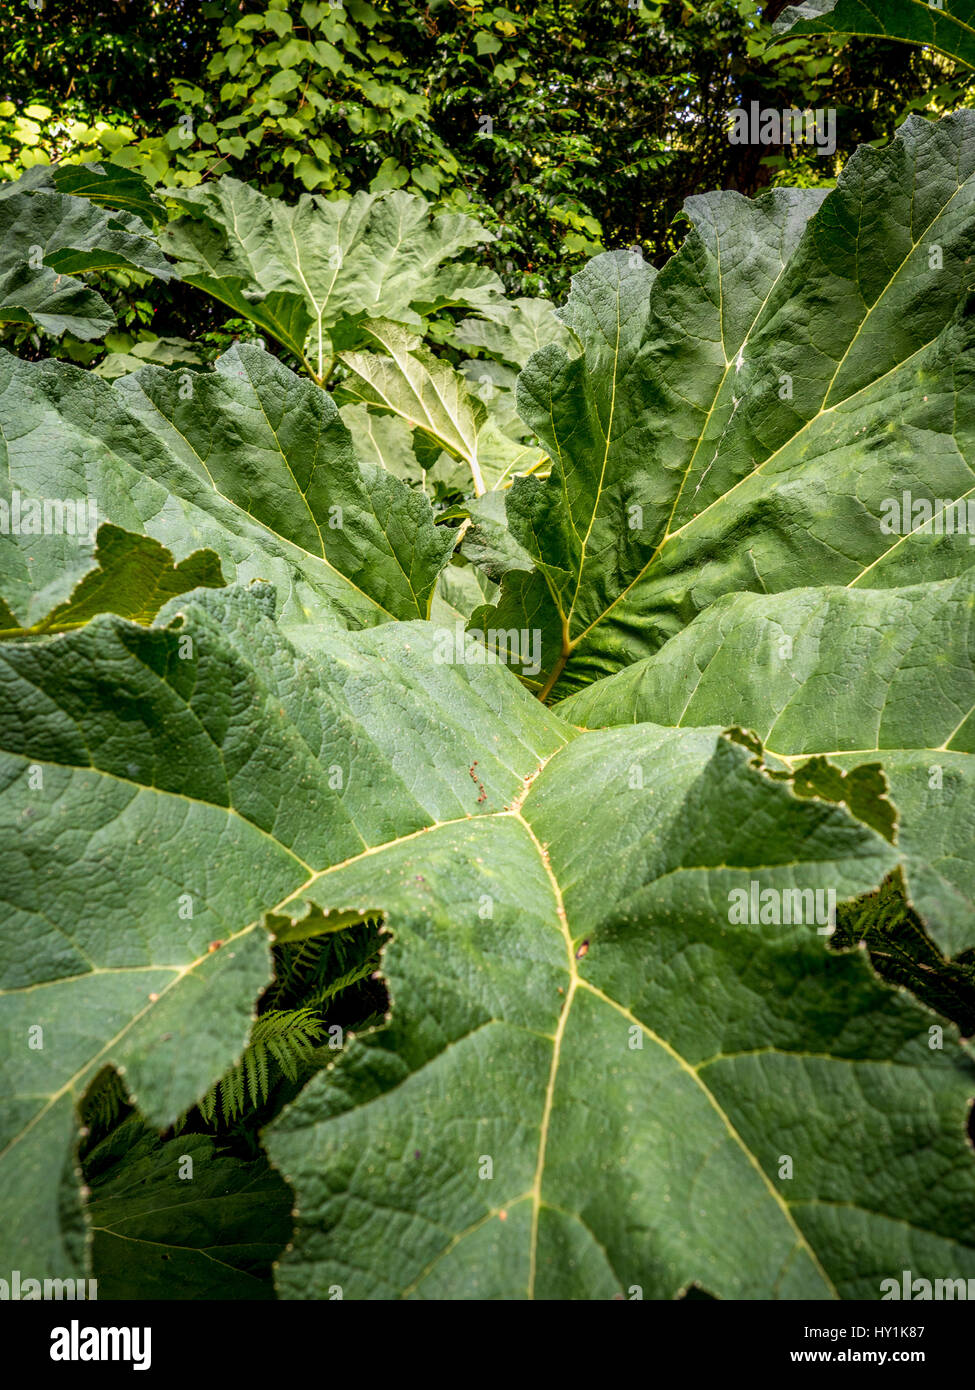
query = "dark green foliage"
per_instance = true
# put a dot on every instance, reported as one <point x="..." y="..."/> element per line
<point x="902" y="952"/>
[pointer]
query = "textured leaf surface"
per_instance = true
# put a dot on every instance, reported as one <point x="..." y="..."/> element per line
<point x="46" y="238"/>
<point x="737" y="421"/>
<point x="427" y="394"/>
<point x="488" y="543"/>
<point x="548" y="907"/>
<point x="135" y="577"/>
<point x="173" y="786"/>
<point x="948" y="26"/>
<point x="249" y="461"/>
<point x="109" y="185"/>
<point x="159" y="1230"/>
<point x="869" y="676"/>
<point x="462" y="588"/>
<point x="662" y="1061"/>
<point x="383" y="439"/>
<point x="317" y="269"/>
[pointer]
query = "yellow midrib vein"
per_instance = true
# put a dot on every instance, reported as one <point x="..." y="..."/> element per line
<point x="825" y="409"/>
<point x="694" y="1073"/>
<point x="576" y="982"/>
<point x="536" y="1187"/>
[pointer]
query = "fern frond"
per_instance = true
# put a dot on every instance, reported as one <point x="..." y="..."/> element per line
<point x="296" y="966"/>
<point x="285" y="1037"/>
<point x="328" y="991"/>
<point x="319" y="968"/>
<point x="104" y="1100"/>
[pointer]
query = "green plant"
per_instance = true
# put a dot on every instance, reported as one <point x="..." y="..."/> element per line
<point x="55" y="225"/>
<point x="283" y="1037"/>
<point x="364" y="287"/>
<point x="612" y="1015"/>
<point x="357" y="292"/>
<point x="947" y="29"/>
<point x="561" y="125"/>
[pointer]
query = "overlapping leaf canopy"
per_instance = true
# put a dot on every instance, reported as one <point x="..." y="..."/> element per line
<point x="209" y="757"/>
<point x="738" y="421"/>
<point x="863" y="677"/>
<point x="249" y="461"/>
<point x="49" y="236"/>
<point x="592" y="1077"/>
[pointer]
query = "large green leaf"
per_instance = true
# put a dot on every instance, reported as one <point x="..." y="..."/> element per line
<point x="384" y="439"/>
<point x="249" y="461"/>
<point x="171" y="786"/>
<point x="862" y="677"/>
<point x="569" y="998"/>
<point x="488" y="543"/>
<point x="591" y="1081"/>
<point x="181" y="1220"/>
<point x="737" y="421"/>
<point x="514" y="329"/>
<point x="162" y="352"/>
<point x="312" y="272"/>
<point x="109" y="185"/>
<point x="48" y="237"/>
<point x="948" y="25"/>
<point x="462" y="588"/>
<point x="135" y="577"/>
<point x="406" y="380"/>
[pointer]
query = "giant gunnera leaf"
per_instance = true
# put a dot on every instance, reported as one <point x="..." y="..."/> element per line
<point x="858" y="676"/>
<point x="248" y="461"/>
<point x="134" y="576"/>
<point x="48" y="237"/>
<point x="593" y="1077"/>
<point x="947" y="25"/>
<point x="606" y="1038"/>
<point x="108" y="185"/>
<point x="312" y="273"/>
<point x="179" y="1219"/>
<point x="739" y="420"/>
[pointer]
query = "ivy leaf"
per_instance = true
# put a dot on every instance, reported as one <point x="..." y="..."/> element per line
<point x="860" y="676"/>
<point x="948" y="28"/>
<point x="283" y="82"/>
<point x="738" y="421"/>
<point x="249" y="461"/>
